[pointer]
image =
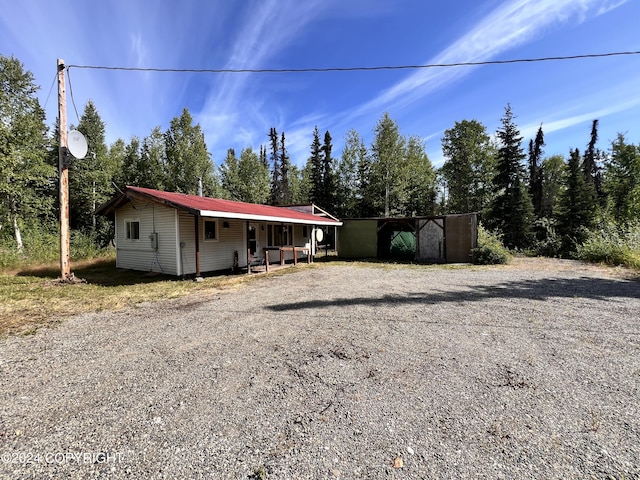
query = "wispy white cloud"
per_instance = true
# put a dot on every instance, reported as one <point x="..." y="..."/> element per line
<point x="511" y="25"/>
<point x="529" y="130"/>
<point x="138" y="50"/>
<point x="611" y="5"/>
<point x="270" y="27"/>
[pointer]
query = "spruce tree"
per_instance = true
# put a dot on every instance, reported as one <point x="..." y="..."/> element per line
<point x="511" y="211"/>
<point x="591" y="168"/>
<point x="328" y="175"/>
<point x="315" y="168"/>
<point x="622" y="180"/>
<point x="575" y="211"/>
<point x="275" y="194"/>
<point x="535" y="172"/>
<point x="285" y="174"/>
<point x="90" y="178"/>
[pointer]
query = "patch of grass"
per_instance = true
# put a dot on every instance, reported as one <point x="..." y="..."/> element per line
<point x="34" y="297"/>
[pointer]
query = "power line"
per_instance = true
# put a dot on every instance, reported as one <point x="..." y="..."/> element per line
<point x="55" y="77"/>
<point x="72" y="99"/>
<point x="355" y="69"/>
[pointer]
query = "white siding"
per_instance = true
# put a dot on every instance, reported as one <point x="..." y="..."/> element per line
<point x="139" y="254"/>
<point x="186" y="237"/>
<point x="214" y="255"/>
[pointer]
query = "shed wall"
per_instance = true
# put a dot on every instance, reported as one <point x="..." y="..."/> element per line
<point x="461" y="237"/>
<point x="358" y="239"/>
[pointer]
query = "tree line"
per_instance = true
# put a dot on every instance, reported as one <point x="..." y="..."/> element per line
<point x="548" y="204"/>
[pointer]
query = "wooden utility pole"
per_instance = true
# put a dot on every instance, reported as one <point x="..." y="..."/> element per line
<point x="65" y="262"/>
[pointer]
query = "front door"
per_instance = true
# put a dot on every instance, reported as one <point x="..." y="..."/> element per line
<point x="253" y="238"/>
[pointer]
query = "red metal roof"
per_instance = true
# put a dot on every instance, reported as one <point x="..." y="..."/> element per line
<point x="219" y="208"/>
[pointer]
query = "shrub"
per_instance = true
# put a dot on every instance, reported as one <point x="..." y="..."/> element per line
<point x="490" y="250"/>
<point x="42" y="246"/>
<point x="547" y="241"/>
<point x="612" y="245"/>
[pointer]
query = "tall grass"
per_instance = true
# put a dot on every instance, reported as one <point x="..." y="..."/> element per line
<point x="43" y="247"/>
<point x="613" y="245"/>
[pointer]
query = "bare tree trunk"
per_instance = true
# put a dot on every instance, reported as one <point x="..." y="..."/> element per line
<point x="16" y="230"/>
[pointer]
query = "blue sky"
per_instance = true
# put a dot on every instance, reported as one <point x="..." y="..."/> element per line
<point x="237" y="110"/>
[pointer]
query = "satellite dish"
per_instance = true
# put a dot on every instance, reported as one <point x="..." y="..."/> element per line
<point x="319" y="235"/>
<point x="77" y="144"/>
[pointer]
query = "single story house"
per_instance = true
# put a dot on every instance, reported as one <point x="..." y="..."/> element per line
<point x="178" y="234"/>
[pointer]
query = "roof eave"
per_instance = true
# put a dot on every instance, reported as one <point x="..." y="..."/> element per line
<point x="267" y="218"/>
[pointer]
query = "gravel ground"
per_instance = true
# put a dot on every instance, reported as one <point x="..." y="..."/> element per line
<point x="339" y="372"/>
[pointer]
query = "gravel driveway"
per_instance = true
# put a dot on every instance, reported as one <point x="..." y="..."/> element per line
<point x="339" y="372"/>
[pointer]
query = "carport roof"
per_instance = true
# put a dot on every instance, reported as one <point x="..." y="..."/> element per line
<point x="216" y="207"/>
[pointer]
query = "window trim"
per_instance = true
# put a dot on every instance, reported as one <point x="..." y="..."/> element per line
<point x="288" y="235"/>
<point x="204" y="230"/>
<point x="127" y="229"/>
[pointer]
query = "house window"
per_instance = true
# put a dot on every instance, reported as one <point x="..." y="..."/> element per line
<point x="280" y="235"/>
<point x="132" y="228"/>
<point x="211" y="230"/>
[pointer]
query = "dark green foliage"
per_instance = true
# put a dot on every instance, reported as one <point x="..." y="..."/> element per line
<point x="285" y="172"/>
<point x="592" y="165"/>
<point x="536" y="175"/>
<point x="329" y="181"/>
<point x="511" y="212"/>
<point x="547" y="242"/>
<point x="90" y="178"/>
<point x="576" y="215"/>
<point x="275" y="195"/>
<point x="315" y="170"/>
<point x="622" y="181"/>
